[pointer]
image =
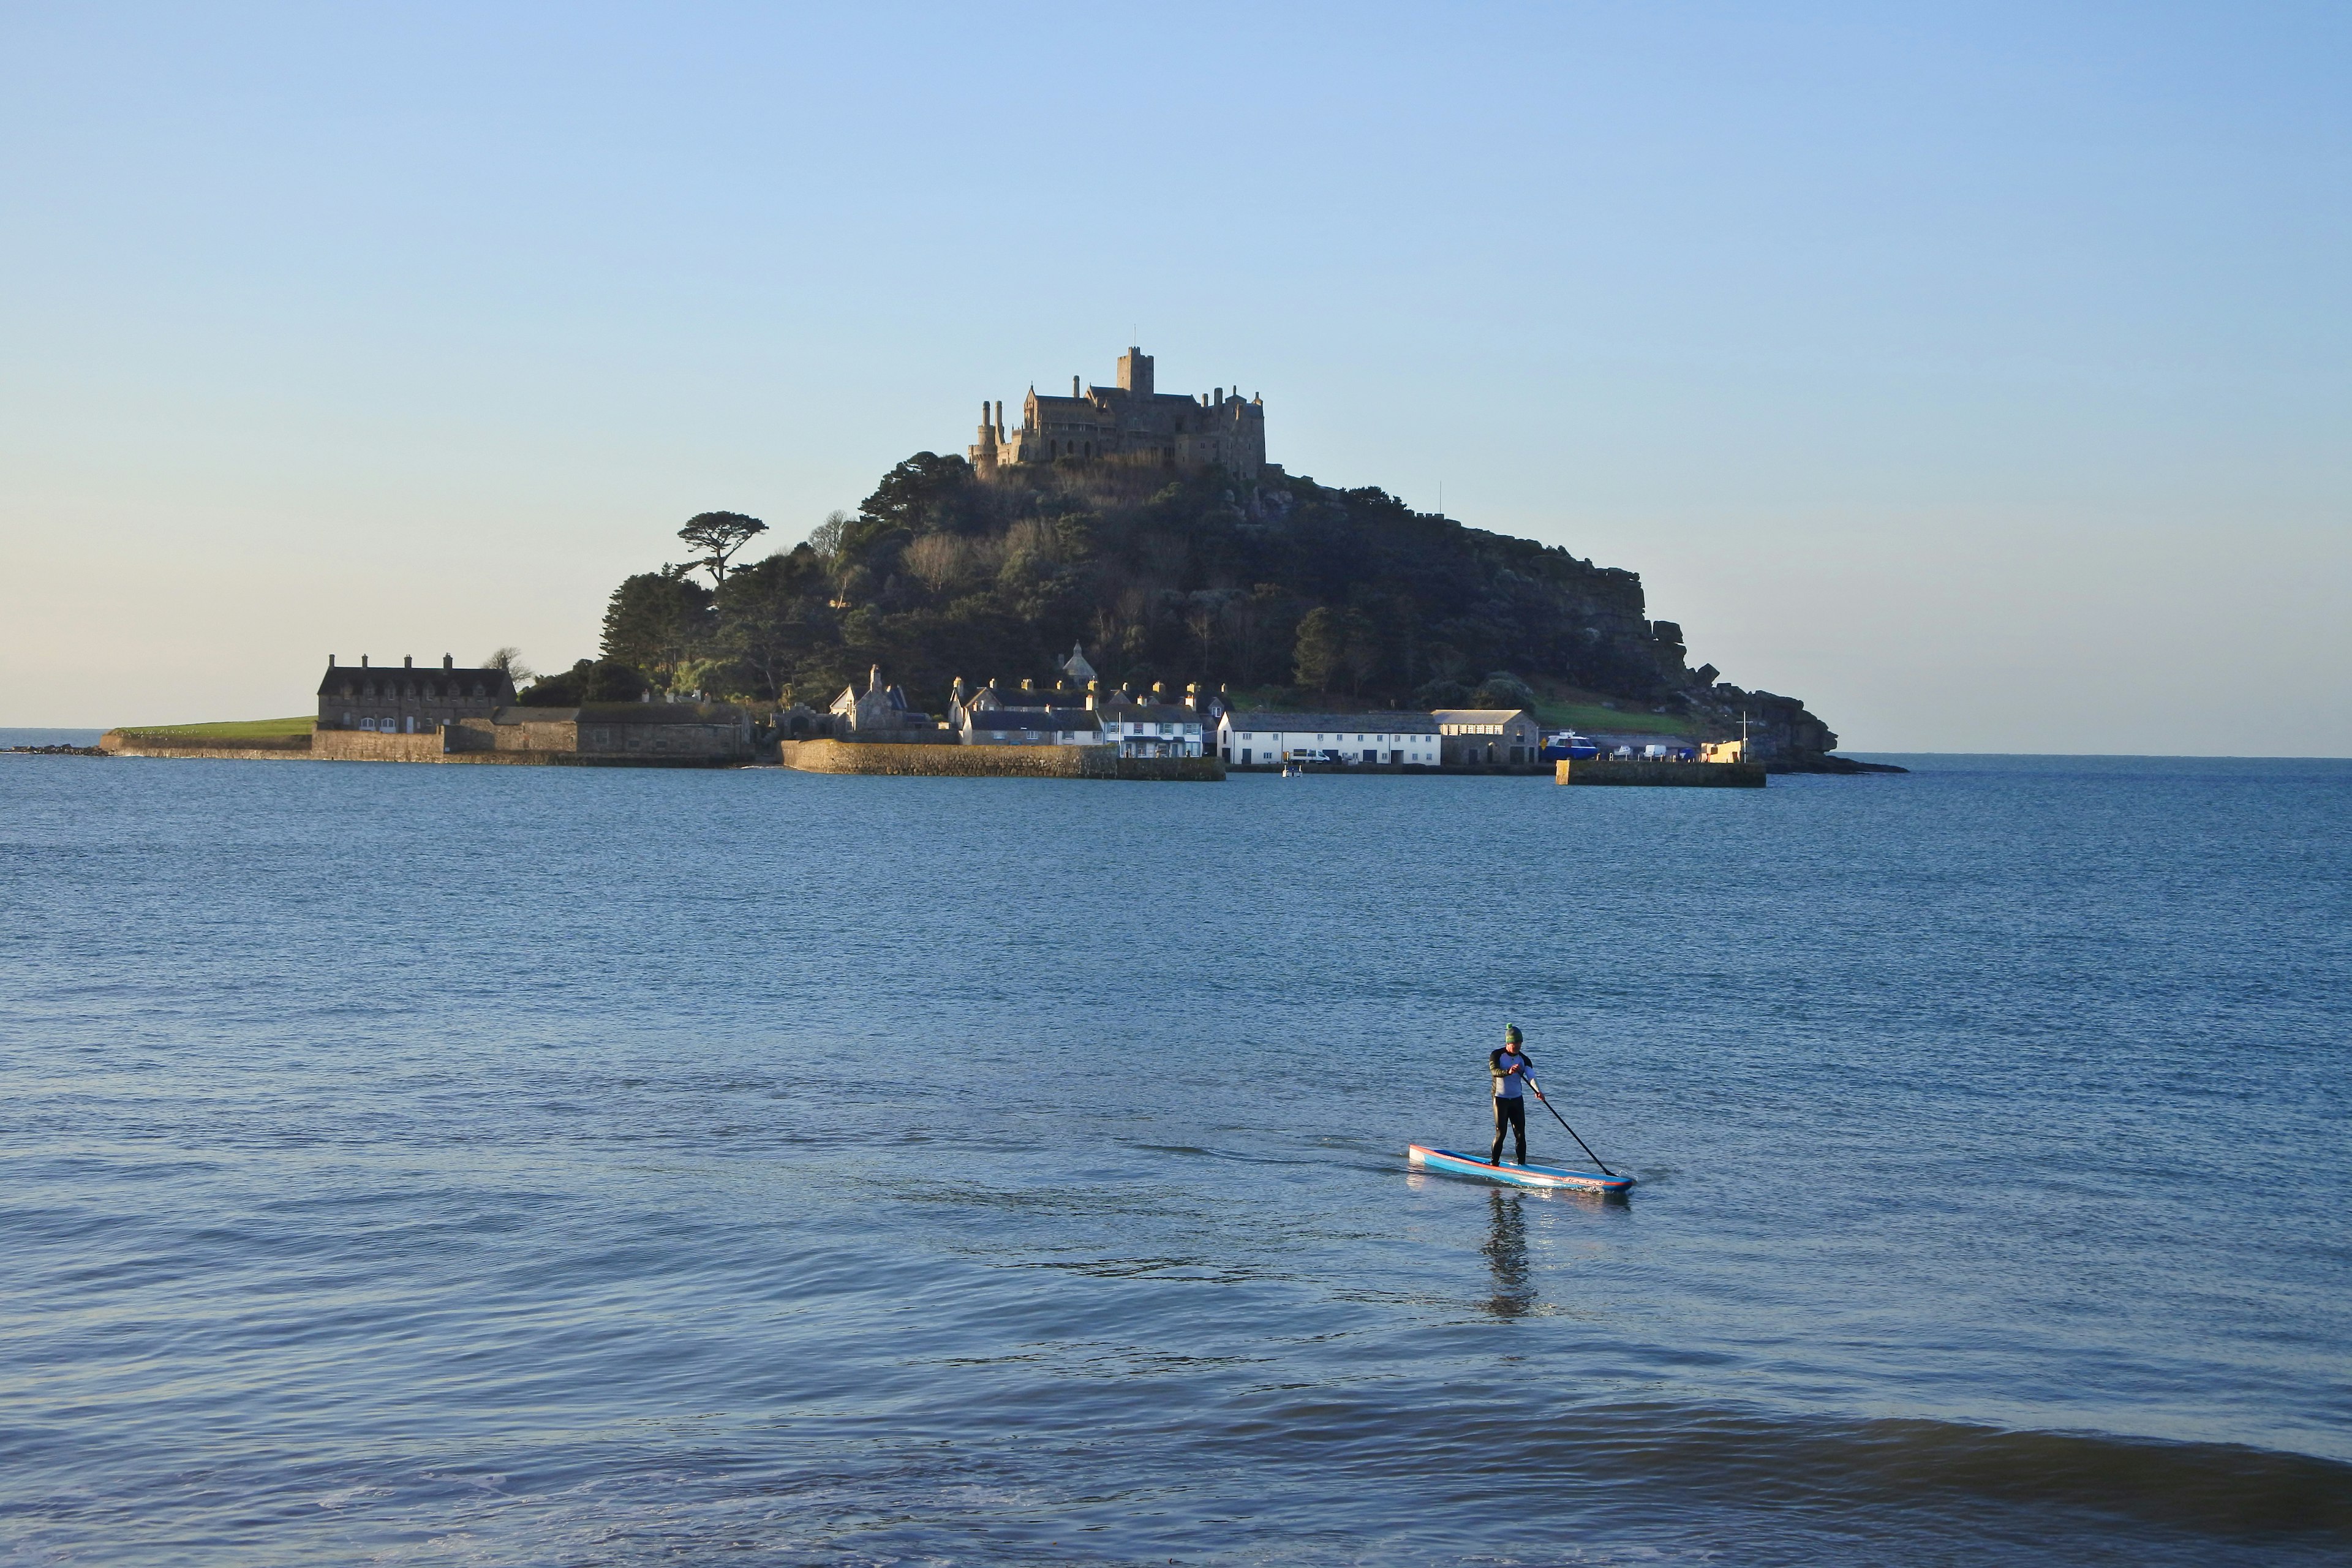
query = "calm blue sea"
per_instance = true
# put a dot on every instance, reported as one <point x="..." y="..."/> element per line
<point x="538" y="1166"/>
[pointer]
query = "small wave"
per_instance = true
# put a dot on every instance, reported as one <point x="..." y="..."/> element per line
<point x="1757" y="1458"/>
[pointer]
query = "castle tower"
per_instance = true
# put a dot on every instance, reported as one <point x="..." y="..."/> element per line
<point x="984" y="453"/>
<point x="1134" y="372"/>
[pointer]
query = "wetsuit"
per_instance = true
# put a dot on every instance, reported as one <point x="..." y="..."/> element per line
<point x="1509" y="1067"/>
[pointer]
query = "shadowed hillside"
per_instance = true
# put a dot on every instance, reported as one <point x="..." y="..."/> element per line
<point x="1286" y="593"/>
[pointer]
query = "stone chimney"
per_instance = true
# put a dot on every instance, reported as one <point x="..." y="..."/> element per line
<point x="331" y="661"/>
<point x="364" y="662"/>
<point x="448" y="661"/>
<point x="408" y="661"/>
<point x="874" y="678"/>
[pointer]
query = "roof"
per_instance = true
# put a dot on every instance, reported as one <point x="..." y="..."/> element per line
<point x="1482" y="715"/>
<point x="1030" y="719"/>
<point x="991" y="696"/>
<point x="1151" y="712"/>
<point x="1388" y="723"/>
<point x="332" y="683"/>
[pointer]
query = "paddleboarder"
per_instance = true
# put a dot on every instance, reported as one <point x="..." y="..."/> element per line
<point x="1509" y="1067"/>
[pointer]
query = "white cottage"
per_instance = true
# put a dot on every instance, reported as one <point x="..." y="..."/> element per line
<point x="1407" y="740"/>
<point x="1154" y="727"/>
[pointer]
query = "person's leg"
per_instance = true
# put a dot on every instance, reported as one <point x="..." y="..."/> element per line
<point x="1502" y="1121"/>
<point x="1519" y="1127"/>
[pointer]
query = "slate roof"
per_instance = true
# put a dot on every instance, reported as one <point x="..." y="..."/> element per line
<point x="1333" y="723"/>
<point x="358" y="677"/>
<point x="1483" y="715"/>
<point x="1151" y="712"/>
<point x="1031" y="721"/>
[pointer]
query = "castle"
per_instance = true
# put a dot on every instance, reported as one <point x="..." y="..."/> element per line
<point x="1130" y="425"/>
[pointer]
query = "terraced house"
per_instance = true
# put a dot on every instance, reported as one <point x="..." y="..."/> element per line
<point x="1384" y="740"/>
<point x="408" y="701"/>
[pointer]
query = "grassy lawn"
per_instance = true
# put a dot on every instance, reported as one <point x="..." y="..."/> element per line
<point x="229" y="732"/>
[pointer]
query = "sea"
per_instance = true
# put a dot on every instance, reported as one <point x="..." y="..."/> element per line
<point x="471" y="1165"/>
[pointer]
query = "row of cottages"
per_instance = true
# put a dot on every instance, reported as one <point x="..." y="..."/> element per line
<point x="1387" y="740"/>
<point x="408" y="701"/>
<point x="1148" y="725"/>
<point x="1460" y="737"/>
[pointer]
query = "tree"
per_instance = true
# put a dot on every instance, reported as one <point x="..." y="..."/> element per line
<point x="1321" y="645"/>
<point x="937" y="560"/>
<point x="825" y="537"/>
<point x="720" y="534"/>
<point x="598" y="680"/>
<point x="510" y="659"/>
<point x="1504" y="689"/>
<point x="655" y="622"/>
<point x="772" y="615"/>
<point x="1359" y="649"/>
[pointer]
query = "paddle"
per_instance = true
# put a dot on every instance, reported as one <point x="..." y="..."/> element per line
<point x="1556" y="1116"/>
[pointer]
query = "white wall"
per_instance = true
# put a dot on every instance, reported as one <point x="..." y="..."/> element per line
<point x="1273" y="745"/>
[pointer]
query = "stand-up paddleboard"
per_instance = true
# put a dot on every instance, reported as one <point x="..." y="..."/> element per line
<point x="1455" y="1164"/>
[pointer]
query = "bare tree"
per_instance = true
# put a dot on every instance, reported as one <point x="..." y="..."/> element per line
<point x="939" y="561"/>
<point x="825" y="537"/>
<point x="510" y="659"/>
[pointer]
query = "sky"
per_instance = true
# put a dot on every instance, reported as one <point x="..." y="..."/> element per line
<point x="1981" y="375"/>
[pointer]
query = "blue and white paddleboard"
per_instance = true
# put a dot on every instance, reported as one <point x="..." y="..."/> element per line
<point x="1455" y="1164"/>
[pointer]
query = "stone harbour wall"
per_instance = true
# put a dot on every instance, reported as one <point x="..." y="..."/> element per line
<point x="1686" y="775"/>
<point x="994" y="761"/>
<point x="368" y="746"/>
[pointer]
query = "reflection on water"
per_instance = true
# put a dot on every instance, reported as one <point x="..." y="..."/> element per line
<point x="1506" y="1255"/>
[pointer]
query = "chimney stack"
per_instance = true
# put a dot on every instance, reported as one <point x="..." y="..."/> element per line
<point x="408" y="661"/>
<point x="364" y="662"/>
<point x="331" y="661"/>
<point x="448" y="661"/>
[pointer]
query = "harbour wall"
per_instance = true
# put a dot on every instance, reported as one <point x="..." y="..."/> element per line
<point x="1685" y="775"/>
<point x="364" y="746"/>
<point x="994" y="761"/>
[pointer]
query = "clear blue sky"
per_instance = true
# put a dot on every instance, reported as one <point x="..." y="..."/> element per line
<point x="1979" y="373"/>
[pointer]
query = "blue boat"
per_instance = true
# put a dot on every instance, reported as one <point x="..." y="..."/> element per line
<point x="1454" y="1165"/>
<point x="1568" y="746"/>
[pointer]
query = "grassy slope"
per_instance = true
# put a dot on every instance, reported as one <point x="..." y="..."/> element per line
<point x="226" y="732"/>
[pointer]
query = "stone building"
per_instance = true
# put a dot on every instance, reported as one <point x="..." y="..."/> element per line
<point x="879" y="713"/>
<point x="1489" y="735"/>
<point x="408" y="701"/>
<point x="1130" y="425"/>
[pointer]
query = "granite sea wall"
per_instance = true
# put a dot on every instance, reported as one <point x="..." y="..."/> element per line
<point x="994" y="762"/>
